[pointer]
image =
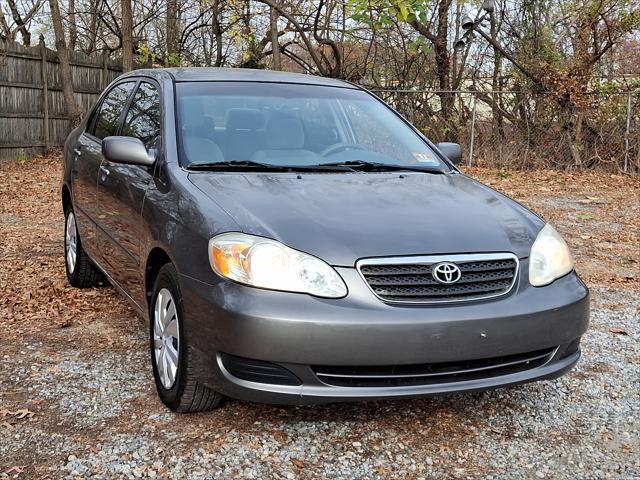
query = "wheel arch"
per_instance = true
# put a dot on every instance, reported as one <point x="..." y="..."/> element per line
<point x="66" y="197"/>
<point x="156" y="259"/>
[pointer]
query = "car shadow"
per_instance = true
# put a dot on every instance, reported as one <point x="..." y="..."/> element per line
<point x="466" y="405"/>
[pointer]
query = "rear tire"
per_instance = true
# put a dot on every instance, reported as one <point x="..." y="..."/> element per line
<point x="175" y="363"/>
<point x="81" y="273"/>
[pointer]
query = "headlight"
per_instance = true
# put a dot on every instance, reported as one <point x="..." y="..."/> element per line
<point x="261" y="262"/>
<point x="550" y="257"/>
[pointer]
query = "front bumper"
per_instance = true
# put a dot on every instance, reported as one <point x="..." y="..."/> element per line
<point x="297" y="331"/>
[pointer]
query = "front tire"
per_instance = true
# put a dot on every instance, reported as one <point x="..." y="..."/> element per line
<point x="81" y="273"/>
<point x="175" y="362"/>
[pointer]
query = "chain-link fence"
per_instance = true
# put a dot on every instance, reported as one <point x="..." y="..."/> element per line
<point x="525" y="130"/>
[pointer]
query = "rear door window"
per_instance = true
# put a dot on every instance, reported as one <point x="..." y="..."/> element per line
<point x="114" y="103"/>
<point x="143" y="118"/>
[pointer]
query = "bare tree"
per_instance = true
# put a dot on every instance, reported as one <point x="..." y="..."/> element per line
<point x="73" y="110"/>
<point x="323" y="51"/>
<point x="20" y="21"/>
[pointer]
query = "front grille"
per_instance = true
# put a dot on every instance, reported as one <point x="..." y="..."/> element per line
<point x="431" y="373"/>
<point x="410" y="279"/>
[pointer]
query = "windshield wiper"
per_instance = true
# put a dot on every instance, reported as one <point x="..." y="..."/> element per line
<point x="362" y="165"/>
<point x="258" y="166"/>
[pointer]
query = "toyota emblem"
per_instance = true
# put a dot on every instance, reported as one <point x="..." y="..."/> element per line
<point x="446" y="273"/>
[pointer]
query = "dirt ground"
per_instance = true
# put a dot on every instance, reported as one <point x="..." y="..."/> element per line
<point x="77" y="399"/>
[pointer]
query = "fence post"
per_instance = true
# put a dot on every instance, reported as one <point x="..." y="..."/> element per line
<point x="45" y="92"/>
<point x="104" y="73"/>
<point x="473" y="129"/>
<point x="626" y="134"/>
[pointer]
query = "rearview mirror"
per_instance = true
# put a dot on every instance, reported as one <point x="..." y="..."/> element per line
<point x="126" y="150"/>
<point x="452" y="151"/>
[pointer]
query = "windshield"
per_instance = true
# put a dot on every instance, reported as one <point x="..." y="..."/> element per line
<point x="293" y="125"/>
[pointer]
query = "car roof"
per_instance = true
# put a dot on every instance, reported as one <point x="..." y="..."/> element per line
<point x="215" y="74"/>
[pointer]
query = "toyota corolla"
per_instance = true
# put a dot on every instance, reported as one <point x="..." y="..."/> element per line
<point x="292" y="239"/>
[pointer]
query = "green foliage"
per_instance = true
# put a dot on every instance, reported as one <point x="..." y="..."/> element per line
<point x="252" y="57"/>
<point x="617" y="86"/>
<point x="145" y="55"/>
<point x="630" y="20"/>
<point x="378" y="14"/>
<point x="22" y="158"/>
<point x="388" y="11"/>
<point x="419" y="45"/>
<point x="173" y="60"/>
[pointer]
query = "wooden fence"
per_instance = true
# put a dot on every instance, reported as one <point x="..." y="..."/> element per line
<point x="32" y="108"/>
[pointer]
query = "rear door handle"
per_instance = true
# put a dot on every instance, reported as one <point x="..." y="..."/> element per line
<point x="77" y="151"/>
<point x="104" y="170"/>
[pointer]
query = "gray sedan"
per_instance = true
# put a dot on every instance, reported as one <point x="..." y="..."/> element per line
<point x="292" y="239"/>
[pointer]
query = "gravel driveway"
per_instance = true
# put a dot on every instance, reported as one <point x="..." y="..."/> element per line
<point x="77" y="398"/>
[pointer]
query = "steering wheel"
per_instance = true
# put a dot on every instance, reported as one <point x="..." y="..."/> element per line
<point x="338" y="147"/>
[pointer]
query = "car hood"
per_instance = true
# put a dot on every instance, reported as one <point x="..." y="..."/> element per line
<point x="343" y="217"/>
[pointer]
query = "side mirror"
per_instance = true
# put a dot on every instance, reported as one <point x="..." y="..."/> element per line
<point x="452" y="151"/>
<point x="126" y="150"/>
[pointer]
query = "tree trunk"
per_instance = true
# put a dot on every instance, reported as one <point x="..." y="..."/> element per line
<point x="275" y="45"/>
<point x="439" y="41"/>
<point x="73" y="111"/>
<point x="441" y="50"/>
<point x="217" y="32"/>
<point x="73" y="27"/>
<point x="127" y="36"/>
<point x="172" y="33"/>
<point x="92" y="34"/>
<point x="496" y="83"/>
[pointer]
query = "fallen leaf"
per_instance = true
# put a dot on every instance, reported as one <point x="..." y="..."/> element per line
<point x="297" y="463"/>
<point x="619" y="331"/>
<point x="16" y="469"/>
<point x="24" y="413"/>
<point x="7" y="425"/>
<point x="20" y="414"/>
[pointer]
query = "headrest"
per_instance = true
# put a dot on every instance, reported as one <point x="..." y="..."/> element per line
<point x="284" y="133"/>
<point x="244" y="119"/>
<point x="209" y="123"/>
<point x="191" y="109"/>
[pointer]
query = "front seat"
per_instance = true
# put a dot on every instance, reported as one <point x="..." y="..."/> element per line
<point x="244" y="130"/>
<point x="201" y="150"/>
<point x="284" y="143"/>
<point x="198" y="133"/>
<point x="195" y="122"/>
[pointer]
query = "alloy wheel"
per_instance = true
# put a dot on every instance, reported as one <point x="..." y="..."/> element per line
<point x="166" y="338"/>
<point x="71" y="242"/>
